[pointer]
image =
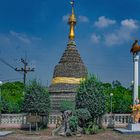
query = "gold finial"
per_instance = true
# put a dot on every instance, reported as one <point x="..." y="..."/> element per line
<point x="72" y="22"/>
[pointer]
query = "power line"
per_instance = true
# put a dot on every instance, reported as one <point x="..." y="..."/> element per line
<point x="6" y="63"/>
<point x="7" y="80"/>
<point x="25" y="68"/>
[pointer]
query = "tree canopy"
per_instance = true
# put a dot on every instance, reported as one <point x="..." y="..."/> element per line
<point x="12" y="97"/>
<point x="90" y="95"/>
<point x="37" y="98"/>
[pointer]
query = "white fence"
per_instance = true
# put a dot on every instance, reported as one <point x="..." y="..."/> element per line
<point x="116" y="120"/>
<point x="19" y="120"/>
<point x="13" y="120"/>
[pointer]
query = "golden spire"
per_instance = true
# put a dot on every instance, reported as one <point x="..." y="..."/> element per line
<point x="72" y="22"/>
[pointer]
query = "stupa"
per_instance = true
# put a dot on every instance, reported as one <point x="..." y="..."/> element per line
<point x="69" y="71"/>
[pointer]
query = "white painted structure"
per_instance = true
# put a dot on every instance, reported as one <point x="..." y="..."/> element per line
<point x="135" y="74"/>
<point x="19" y="120"/>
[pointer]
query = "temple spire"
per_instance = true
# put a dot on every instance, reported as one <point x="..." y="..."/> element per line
<point x="72" y="23"/>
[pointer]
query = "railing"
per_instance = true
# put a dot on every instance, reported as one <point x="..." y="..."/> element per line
<point x="19" y="120"/>
<point x="116" y="120"/>
<point x="13" y="121"/>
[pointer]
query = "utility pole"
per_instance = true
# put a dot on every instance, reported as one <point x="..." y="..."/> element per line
<point x="25" y="69"/>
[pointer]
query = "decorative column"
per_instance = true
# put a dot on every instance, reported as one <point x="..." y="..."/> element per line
<point x="135" y="74"/>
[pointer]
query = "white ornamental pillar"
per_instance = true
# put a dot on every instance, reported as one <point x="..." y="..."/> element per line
<point x="135" y="86"/>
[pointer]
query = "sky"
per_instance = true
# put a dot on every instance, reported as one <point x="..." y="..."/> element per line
<point x="38" y="31"/>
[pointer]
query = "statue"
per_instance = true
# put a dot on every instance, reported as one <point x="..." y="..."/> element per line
<point x="67" y="114"/>
<point x="136" y="113"/>
<point x="135" y="47"/>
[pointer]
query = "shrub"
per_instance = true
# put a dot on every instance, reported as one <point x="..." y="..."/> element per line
<point x="73" y="123"/>
<point x="67" y="105"/>
<point x="37" y="99"/>
<point x="83" y="116"/>
<point x="90" y="95"/>
<point x="91" y="128"/>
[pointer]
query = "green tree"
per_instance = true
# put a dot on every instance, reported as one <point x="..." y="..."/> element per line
<point x="37" y="98"/>
<point x="122" y="100"/>
<point x="12" y="97"/>
<point x="139" y="92"/>
<point x="107" y="90"/>
<point x="90" y="95"/>
<point x="122" y="97"/>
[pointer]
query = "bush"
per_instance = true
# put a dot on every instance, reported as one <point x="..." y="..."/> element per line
<point x="91" y="128"/>
<point x="37" y="99"/>
<point x="90" y="95"/>
<point x="83" y="116"/>
<point x="67" y="105"/>
<point x="73" y="123"/>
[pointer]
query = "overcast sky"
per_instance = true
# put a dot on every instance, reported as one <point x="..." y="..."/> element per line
<point x="38" y="30"/>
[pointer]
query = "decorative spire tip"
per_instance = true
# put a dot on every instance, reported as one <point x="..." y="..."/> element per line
<point x="72" y="22"/>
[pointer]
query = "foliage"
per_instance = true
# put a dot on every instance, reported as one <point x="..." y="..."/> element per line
<point x="116" y="83"/>
<point x="73" y="123"/>
<point x="91" y="128"/>
<point x="37" y="98"/>
<point x="90" y="95"/>
<point x="121" y="99"/>
<point x="139" y="92"/>
<point x="107" y="90"/>
<point x="67" y="105"/>
<point x="83" y="116"/>
<point x="12" y="97"/>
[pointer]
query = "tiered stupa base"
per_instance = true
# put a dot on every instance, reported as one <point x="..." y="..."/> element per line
<point x="56" y="100"/>
<point x="67" y="92"/>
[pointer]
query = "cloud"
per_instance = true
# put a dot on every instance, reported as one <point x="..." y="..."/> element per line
<point x="123" y="34"/>
<point x="112" y="39"/>
<point x="95" y="38"/>
<point x="104" y="22"/>
<point x="125" y="31"/>
<point x="13" y="39"/>
<point x="83" y="19"/>
<point x="22" y="37"/>
<point x="117" y="37"/>
<point x="4" y="40"/>
<point x="129" y="23"/>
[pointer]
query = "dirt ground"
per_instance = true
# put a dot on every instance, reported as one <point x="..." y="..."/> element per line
<point x="46" y="135"/>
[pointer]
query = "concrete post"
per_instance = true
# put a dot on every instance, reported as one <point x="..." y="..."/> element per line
<point x="135" y="72"/>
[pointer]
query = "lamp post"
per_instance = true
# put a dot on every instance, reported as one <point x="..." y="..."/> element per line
<point x="111" y="95"/>
<point x="0" y="100"/>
